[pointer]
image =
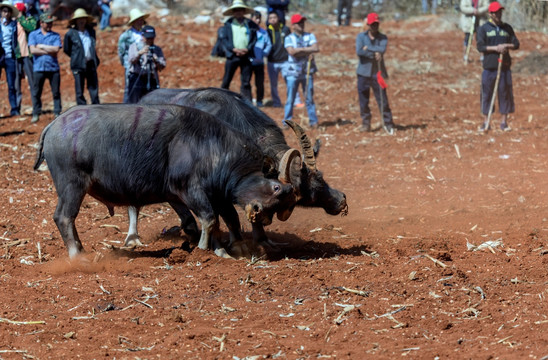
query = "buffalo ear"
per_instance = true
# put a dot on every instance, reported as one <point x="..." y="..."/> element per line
<point x="269" y="168"/>
<point x="316" y="147"/>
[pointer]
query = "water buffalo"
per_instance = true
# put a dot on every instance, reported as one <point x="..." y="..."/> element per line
<point x="134" y="155"/>
<point x="307" y="181"/>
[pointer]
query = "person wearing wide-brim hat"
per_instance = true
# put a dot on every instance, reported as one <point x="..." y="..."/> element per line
<point x="8" y="4"/>
<point x="238" y="4"/>
<point x="79" y="45"/>
<point x="133" y="34"/>
<point x="240" y="36"/>
<point x="80" y="14"/>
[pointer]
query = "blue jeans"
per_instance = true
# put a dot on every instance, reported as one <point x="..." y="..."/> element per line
<point x="105" y="16"/>
<point x="273" y="70"/>
<point x="10" y="68"/>
<point x="292" y="87"/>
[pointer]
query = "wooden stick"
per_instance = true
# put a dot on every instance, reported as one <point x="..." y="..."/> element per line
<point x="470" y="40"/>
<point x="495" y="90"/>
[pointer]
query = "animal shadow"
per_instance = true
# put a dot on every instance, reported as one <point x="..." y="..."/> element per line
<point x="293" y="247"/>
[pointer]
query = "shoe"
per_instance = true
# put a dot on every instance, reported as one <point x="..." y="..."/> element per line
<point x="314" y="126"/>
<point x="55" y="115"/>
<point x="284" y="125"/>
<point x="277" y="106"/>
<point x="484" y="127"/>
<point x="299" y="106"/>
<point x="504" y="127"/>
<point x="34" y="119"/>
<point x="260" y="104"/>
<point x="365" y="128"/>
<point x="15" y="113"/>
<point x="389" y="129"/>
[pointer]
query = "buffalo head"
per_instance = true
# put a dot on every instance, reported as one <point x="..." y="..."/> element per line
<point x="308" y="183"/>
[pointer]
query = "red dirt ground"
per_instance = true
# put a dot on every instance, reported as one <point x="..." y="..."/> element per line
<point x="399" y="276"/>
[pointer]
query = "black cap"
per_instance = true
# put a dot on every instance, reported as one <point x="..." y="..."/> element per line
<point x="148" y="32"/>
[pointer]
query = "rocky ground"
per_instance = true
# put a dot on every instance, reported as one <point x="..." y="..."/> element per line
<point x="443" y="253"/>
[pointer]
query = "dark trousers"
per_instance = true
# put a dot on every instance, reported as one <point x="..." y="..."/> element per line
<point x="40" y="77"/>
<point x="365" y="84"/>
<point x="504" y="92"/>
<point x="24" y="69"/>
<point x="89" y="76"/>
<point x="139" y="85"/>
<point x="258" y="72"/>
<point x="231" y="65"/>
<point x="10" y="66"/>
<point x="344" y="4"/>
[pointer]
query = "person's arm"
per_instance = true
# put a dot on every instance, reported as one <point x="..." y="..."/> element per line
<point x="159" y="58"/>
<point x="267" y="45"/>
<point x="467" y="8"/>
<point x="134" y="55"/>
<point x="122" y="47"/>
<point x="304" y="51"/>
<point x="67" y="44"/>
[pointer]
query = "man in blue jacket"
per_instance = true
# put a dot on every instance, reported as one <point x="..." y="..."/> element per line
<point x="239" y="40"/>
<point x="8" y="45"/>
<point x="370" y="48"/>
<point x="494" y="38"/>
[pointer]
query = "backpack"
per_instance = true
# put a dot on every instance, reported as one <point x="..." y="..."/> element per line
<point x="218" y="48"/>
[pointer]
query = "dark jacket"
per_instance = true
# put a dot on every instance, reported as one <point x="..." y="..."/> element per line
<point x="227" y="43"/>
<point x="367" y="65"/>
<point x="490" y="35"/>
<point x="73" y="47"/>
<point x="278" y="53"/>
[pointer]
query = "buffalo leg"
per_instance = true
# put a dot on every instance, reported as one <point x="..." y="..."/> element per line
<point x="188" y="223"/>
<point x="236" y="245"/>
<point x="68" y="207"/>
<point x="132" y="238"/>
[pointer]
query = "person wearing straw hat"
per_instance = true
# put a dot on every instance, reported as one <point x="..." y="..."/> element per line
<point x="8" y="59"/>
<point x="131" y="35"/>
<point x="495" y="38"/>
<point x="239" y="41"/>
<point x="370" y="49"/>
<point x="44" y="45"/>
<point x="79" y="44"/>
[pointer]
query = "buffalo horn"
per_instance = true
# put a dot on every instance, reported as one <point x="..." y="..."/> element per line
<point x="284" y="168"/>
<point x="306" y="145"/>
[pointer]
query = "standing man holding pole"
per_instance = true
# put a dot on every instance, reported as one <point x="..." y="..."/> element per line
<point x="370" y="48"/>
<point x="473" y="12"/>
<point x="495" y="39"/>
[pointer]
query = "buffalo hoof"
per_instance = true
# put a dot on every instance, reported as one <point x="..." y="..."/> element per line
<point x="221" y="252"/>
<point x="132" y="242"/>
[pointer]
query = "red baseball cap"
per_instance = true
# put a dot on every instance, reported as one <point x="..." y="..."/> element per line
<point x="297" y="18"/>
<point x="21" y="7"/>
<point x="495" y="6"/>
<point x="372" y="18"/>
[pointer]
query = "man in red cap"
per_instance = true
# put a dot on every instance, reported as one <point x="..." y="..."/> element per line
<point x="496" y="37"/>
<point x="300" y="68"/>
<point x="370" y="48"/>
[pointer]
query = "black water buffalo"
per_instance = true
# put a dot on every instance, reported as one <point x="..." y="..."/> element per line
<point x="134" y="155"/>
<point x="307" y="181"/>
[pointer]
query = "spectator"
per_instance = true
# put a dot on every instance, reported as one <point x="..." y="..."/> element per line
<point x="370" y="48"/>
<point x="261" y="49"/>
<point x="106" y="13"/>
<point x="79" y="45"/>
<point x="300" y="68"/>
<point x="33" y="9"/>
<point x="128" y="37"/>
<point x="433" y="7"/>
<point x="496" y="38"/>
<point x="44" y="45"/>
<point x="145" y="60"/>
<point x="473" y="11"/>
<point x="239" y="40"/>
<point x="8" y="59"/>
<point x="347" y="6"/>
<point x="26" y="24"/>
<point x="279" y="7"/>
